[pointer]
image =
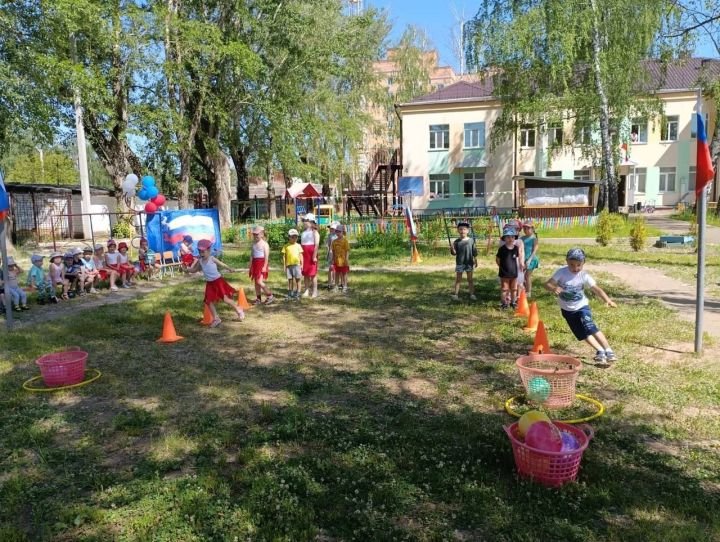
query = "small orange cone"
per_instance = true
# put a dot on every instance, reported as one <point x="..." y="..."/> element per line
<point x="207" y="316"/>
<point x="523" y="309"/>
<point x="541" y="346"/>
<point x="242" y="300"/>
<point x="533" y="319"/>
<point x="415" y="254"/>
<point x="168" y="334"/>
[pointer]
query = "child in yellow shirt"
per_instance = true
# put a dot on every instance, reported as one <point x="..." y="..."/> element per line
<point x="292" y="255"/>
<point x="341" y="258"/>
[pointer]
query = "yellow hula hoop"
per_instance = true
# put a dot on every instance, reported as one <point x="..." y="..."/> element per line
<point x="598" y="404"/>
<point x="27" y="384"/>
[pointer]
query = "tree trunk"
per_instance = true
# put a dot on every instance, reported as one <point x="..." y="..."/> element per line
<point x="609" y="184"/>
<point x="184" y="181"/>
<point x="239" y="158"/>
<point x="272" y="211"/>
<point x="220" y="196"/>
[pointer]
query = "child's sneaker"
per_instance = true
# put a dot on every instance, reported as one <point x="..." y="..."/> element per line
<point x="82" y="293"/>
<point x="330" y="285"/>
<point x="306" y="293"/>
<point x="345" y="290"/>
<point x="17" y="308"/>
<point x="514" y="305"/>
<point x="455" y="297"/>
<point x="269" y="300"/>
<point x="610" y="355"/>
<point x="335" y="289"/>
<point x="93" y="291"/>
<point x="473" y="297"/>
<point x="504" y="306"/>
<point x="256" y="301"/>
<point x="126" y="285"/>
<point x="25" y="308"/>
<point x="600" y="358"/>
<point x="54" y="300"/>
<point x="113" y="288"/>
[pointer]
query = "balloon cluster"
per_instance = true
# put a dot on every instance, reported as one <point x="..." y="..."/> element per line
<point x="148" y="191"/>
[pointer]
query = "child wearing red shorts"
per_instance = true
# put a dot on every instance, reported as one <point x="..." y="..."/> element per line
<point x="341" y="258"/>
<point x="259" y="261"/>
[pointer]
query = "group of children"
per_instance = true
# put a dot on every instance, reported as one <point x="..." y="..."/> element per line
<point x="517" y="258"/>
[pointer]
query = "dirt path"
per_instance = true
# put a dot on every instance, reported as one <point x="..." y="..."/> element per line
<point x="672" y="292"/>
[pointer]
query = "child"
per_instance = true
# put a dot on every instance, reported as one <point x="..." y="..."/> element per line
<point x="292" y="255"/>
<point x="99" y="261"/>
<point x="530" y="245"/>
<point x="216" y="288"/>
<point x="568" y="283"/>
<point x="146" y="259"/>
<point x="260" y="259"/>
<point x="72" y="272"/>
<point x="56" y="270"/>
<point x="37" y="280"/>
<point x="508" y="262"/>
<point x="90" y="273"/>
<point x="341" y="258"/>
<point x="112" y="264"/>
<point x="310" y="243"/>
<point x="465" y="253"/>
<point x="187" y="259"/>
<point x="329" y="256"/>
<point x="18" y="295"/>
<point x="127" y="270"/>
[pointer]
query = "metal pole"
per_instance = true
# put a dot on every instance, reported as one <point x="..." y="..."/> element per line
<point x="700" y="205"/>
<point x="4" y="256"/>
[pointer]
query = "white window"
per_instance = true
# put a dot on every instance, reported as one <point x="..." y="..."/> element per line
<point x="693" y="125"/>
<point x="555" y="135"/>
<point x="640" y="178"/>
<point x="440" y="186"/>
<point x="667" y="179"/>
<point x="669" y="128"/>
<point x="474" y="185"/>
<point x="692" y="177"/>
<point x="583" y="135"/>
<point x="581" y="175"/>
<point x="638" y="130"/>
<point x="474" y="135"/>
<point x="527" y="137"/>
<point x="439" y="136"/>
<point x="557" y="174"/>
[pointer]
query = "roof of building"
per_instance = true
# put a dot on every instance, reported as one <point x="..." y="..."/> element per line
<point x="682" y="74"/>
<point x="23" y="188"/>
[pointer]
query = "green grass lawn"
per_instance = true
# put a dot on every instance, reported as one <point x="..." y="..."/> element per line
<point x="376" y="416"/>
<point x="689" y="216"/>
<point x="590" y="231"/>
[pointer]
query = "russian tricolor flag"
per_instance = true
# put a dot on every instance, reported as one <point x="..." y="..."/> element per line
<point x="410" y="223"/>
<point x="4" y="200"/>
<point x="704" y="168"/>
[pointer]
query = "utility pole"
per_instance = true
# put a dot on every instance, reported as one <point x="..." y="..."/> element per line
<point x="82" y="153"/>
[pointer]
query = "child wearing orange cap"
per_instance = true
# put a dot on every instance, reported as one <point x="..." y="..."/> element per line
<point x="216" y="287"/>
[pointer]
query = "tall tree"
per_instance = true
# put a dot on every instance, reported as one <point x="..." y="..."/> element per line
<point x="554" y="58"/>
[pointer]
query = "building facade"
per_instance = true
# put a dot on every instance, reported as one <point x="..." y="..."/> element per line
<point x="445" y="141"/>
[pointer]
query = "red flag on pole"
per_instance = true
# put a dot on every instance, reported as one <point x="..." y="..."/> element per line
<point x="704" y="168"/>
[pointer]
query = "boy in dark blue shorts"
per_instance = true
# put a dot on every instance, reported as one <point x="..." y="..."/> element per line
<point x="568" y="283"/>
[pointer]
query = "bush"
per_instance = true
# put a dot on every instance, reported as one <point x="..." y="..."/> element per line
<point x="381" y="240"/>
<point x="432" y="231"/>
<point x="229" y="235"/>
<point x="607" y="226"/>
<point x="123" y="230"/>
<point x="276" y="234"/>
<point x="638" y="234"/>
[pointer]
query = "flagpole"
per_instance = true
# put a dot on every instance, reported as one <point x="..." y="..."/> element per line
<point x="700" y="209"/>
<point x="8" y="297"/>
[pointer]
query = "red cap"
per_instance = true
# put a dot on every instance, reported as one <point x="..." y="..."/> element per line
<point x="122" y="245"/>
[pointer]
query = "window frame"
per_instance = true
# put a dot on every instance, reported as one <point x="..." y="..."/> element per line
<point x="664" y="177"/>
<point x="443" y="130"/>
<point x="555" y="134"/>
<point x="665" y="128"/>
<point x="692" y="174"/>
<point x="582" y="175"/>
<point x="475" y="177"/>
<point x="474" y="127"/>
<point x="525" y="131"/>
<point x="584" y="136"/>
<point x="642" y="124"/>
<point x="442" y="178"/>
<point x="638" y="173"/>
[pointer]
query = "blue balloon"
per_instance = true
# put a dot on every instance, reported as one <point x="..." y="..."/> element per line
<point x="148" y="181"/>
<point x="143" y="194"/>
<point x="152" y="192"/>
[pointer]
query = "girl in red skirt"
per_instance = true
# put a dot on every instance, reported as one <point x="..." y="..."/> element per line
<point x="259" y="266"/>
<point x="216" y="287"/>
<point x="310" y="243"/>
<point x="126" y="269"/>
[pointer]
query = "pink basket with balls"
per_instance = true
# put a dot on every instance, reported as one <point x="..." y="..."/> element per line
<point x="550" y="468"/>
<point x="62" y="368"/>
<point x="549" y="379"/>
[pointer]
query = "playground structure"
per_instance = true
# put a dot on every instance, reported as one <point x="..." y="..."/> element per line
<point x="302" y="198"/>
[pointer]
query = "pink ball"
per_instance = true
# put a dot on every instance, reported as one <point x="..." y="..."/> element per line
<point x="544" y="436"/>
<point x="150" y="207"/>
<point x="158" y="200"/>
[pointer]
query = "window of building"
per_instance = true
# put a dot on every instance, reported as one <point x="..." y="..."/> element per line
<point x="439" y="136"/>
<point x="553" y="174"/>
<point x="693" y="125"/>
<point x="527" y="137"/>
<point x="640" y="178"/>
<point x="583" y="135"/>
<point x="667" y="179"/>
<point x="474" y="185"/>
<point x="638" y="130"/>
<point x="692" y="177"/>
<point x="555" y="134"/>
<point x="581" y="175"/>
<point x="527" y="173"/>
<point x="669" y="128"/>
<point x="440" y="186"/>
<point x="474" y="135"/>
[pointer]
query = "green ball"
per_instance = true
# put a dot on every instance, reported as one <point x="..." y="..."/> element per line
<point x="539" y="389"/>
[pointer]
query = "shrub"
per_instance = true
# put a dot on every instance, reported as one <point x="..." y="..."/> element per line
<point x="123" y="230"/>
<point x="432" y="230"/>
<point x="638" y="234"/>
<point x="607" y="226"/>
<point x="229" y="235"/>
<point x="390" y="239"/>
<point x="276" y="234"/>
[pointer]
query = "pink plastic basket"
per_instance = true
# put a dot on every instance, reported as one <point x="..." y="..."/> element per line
<point x="551" y="469"/>
<point x="63" y="368"/>
<point x="560" y="372"/>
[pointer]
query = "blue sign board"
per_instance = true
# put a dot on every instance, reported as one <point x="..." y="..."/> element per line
<point x="411" y="185"/>
<point x="166" y="229"/>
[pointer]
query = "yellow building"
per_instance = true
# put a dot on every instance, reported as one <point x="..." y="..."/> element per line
<point x="444" y="141"/>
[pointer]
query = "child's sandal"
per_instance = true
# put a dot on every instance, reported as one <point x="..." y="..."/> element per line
<point x="215" y="323"/>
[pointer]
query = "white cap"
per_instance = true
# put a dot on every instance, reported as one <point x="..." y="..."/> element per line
<point x="339" y="227"/>
<point x="309" y="217"/>
<point x="293" y="232"/>
<point x="11" y="260"/>
<point x="77" y="250"/>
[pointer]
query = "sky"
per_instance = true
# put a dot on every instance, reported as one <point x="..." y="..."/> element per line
<point x="436" y="18"/>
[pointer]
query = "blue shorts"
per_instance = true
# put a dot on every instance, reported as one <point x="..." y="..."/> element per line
<point x="581" y="322"/>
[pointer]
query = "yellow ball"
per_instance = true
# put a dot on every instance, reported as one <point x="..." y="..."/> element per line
<point x="529" y="418"/>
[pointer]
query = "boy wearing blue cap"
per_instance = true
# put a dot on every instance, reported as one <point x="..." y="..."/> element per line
<point x="568" y="284"/>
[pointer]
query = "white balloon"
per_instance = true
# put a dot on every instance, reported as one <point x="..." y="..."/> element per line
<point x="132" y="177"/>
<point x="128" y="187"/>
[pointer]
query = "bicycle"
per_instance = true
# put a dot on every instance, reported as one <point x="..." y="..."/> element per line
<point x="649" y="206"/>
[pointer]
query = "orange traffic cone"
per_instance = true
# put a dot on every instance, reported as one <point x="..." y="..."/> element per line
<point x="168" y="334"/>
<point x="207" y="318"/>
<point x="415" y="254"/>
<point x="523" y="309"/>
<point x="533" y="319"/>
<point x="242" y="300"/>
<point x="541" y="346"/>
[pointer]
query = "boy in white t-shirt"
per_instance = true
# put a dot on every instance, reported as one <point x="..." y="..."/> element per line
<point x="569" y="284"/>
